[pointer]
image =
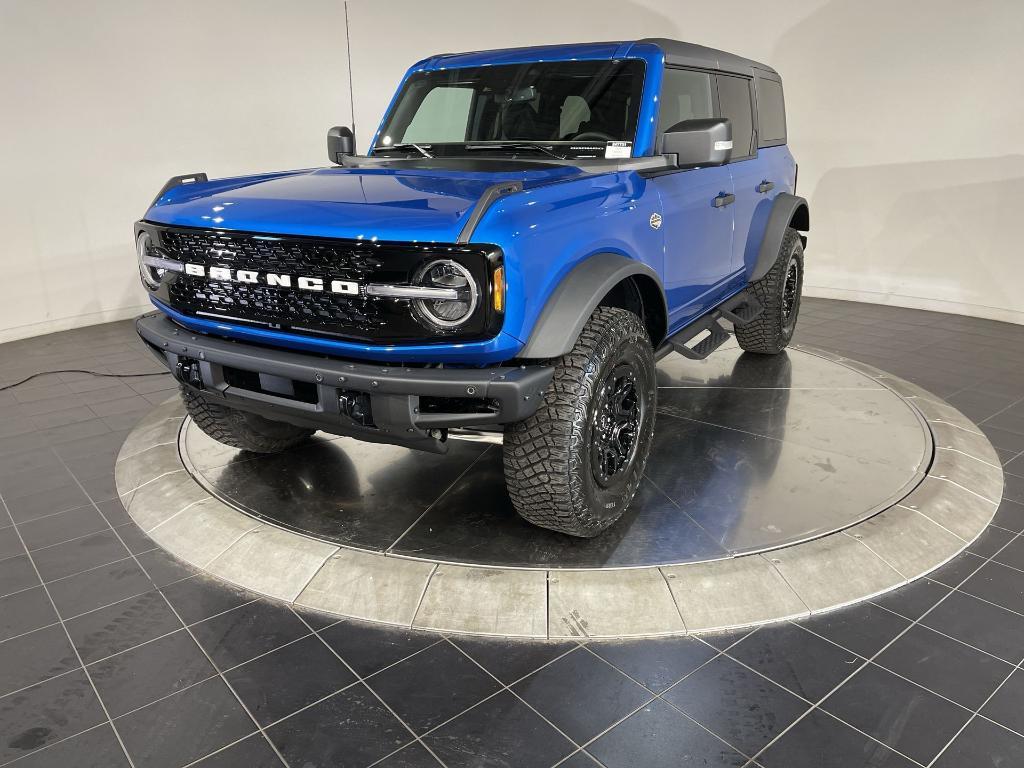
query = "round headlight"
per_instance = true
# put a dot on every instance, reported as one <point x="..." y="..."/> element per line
<point x="150" y="275"/>
<point x="460" y="287"/>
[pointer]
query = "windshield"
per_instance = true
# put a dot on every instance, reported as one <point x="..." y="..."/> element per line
<point x="573" y="108"/>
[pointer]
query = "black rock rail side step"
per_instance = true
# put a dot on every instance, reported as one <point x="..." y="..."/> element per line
<point x="739" y="310"/>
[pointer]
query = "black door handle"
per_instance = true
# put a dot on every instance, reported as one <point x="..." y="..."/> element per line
<point x="722" y="199"/>
<point x="765" y="186"/>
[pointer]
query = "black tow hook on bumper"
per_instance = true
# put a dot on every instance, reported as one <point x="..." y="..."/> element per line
<point x="396" y="404"/>
<point x="186" y="370"/>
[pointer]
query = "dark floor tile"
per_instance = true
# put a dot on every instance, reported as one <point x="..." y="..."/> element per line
<point x="432" y="686"/>
<point x="368" y="648"/>
<point x="1013" y="554"/>
<point x="34" y="657"/>
<point x="983" y="744"/>
<point x="351" y="728"/>
<point x="115" y="514"/>
<point x="501" y="731"/>
<point x="136" y="541"/>
<point x="1002" y="438"/>
<point x="821" y="741"/>
<point x="581" y="694"/>
<point x="316" y="620"/>
<point x="251" y="752"/>
<point x="54" y="529"/>
<point x="1007" y="705"/>
<point x="510" y="660"/>
<point x="413" y="756"/>
<point x="147" y="672"/>
<point x="100" y="488"/>
<point x="983" y="625"/>
<point x="998" y="584"/>
<point x="656" y="663"/>
<point x="659" y="737"/>
<point x="579" y="759"/>
<point x="945" y="666"/>
<point x="957" y="570"/>
<point x="164" y="569"/>
<point x="1010" y="515"/>
<point x="121" y="626"/>
<point x="245" y="632"/>
<point x="723" y="640"/>
<point x="46" y="502"/>
<point x="863" y="629"/>
<point x="184" y="727"/>
<point x="46" y="713"/>
<point x="281" y="682"/>
<point x="16" y="573"/>
<point x="201" y="597"/>
<point x="99" y="587"/>
<point x="913" y="600"/>
<point x="799" y="661"/>
<point x="10" y="543"/>
<point x="67" y="433"/>
<point x="738" y="705"/>
<point x="908" y="718"/>
<point x="25" y="611"/>
<point x="79" y="555"/>
<point x="991" y="540"/>
<point x="96" y="748"/>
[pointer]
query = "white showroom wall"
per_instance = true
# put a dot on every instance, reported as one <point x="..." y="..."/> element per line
<point x="906" y="118"/>
<point x="102" y="102"/>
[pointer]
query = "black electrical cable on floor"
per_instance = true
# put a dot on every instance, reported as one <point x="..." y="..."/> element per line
<point x="80" y="370"/>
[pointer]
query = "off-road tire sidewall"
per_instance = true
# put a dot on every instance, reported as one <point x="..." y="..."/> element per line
<point x="770" y="332"/>
<point x="240" y="429"/>
<point x="547" y="457"/>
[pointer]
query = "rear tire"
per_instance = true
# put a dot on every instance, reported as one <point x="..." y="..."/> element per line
<point x="779" y="293"/>
<point x="240" y="429"/>
<point x="575" y="465"/>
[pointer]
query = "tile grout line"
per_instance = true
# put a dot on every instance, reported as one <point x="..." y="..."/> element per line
<point x="182" y="621"/>
<point x="423" y="595"/>
<point x="71" y="642"/>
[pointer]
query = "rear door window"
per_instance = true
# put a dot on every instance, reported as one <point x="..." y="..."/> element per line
<point x="771" y="113"/>
<point x="735" y="104"/>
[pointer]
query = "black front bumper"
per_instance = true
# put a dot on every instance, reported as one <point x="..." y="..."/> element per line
<point x="377" y="403"/>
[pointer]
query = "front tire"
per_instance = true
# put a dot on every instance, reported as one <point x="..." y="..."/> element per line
<point x="779" y="292"/>
<point x="575" y="465"/>
<point x="239" y="429"/>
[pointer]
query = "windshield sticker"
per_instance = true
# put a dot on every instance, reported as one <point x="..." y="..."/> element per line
<point x="618" y="149"/>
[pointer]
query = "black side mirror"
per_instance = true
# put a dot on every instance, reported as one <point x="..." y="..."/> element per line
<point x="340" y="142"/>
<point x="701" y="142"/>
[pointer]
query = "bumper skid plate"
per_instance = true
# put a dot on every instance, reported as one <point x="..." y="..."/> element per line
<point x="373" y="402"/>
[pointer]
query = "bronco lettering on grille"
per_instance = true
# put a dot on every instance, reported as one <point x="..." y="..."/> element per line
<point x="302" y="282"/>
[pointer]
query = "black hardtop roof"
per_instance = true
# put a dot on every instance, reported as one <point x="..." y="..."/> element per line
<point x="692" y="55"/>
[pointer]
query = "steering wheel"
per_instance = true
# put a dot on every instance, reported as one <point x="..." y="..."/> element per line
<point x="592" y="136"/>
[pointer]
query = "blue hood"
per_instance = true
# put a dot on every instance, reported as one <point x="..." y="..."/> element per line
<point x="413" y="204"/>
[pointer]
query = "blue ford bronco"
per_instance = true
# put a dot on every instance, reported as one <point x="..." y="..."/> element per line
<point x="529" y="231"/>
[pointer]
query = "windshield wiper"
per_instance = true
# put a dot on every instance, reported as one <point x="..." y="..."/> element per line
<point x="518" y="145"/>
<point x="406" y="145"/>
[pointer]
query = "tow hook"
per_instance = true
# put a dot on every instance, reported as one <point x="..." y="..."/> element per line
<point x="187" y="372"/>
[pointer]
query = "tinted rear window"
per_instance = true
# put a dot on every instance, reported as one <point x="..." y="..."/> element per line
<point x="771" y="112"/>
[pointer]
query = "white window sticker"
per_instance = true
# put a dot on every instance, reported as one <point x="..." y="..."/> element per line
<point x="618" y="149"/>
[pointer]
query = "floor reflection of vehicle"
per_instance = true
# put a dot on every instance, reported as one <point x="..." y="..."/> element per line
<point x="714" y="472"/>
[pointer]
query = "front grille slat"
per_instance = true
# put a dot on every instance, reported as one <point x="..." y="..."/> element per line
<point x="358" y="317"/>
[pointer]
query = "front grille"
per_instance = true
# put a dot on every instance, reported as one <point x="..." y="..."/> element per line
<point x="340" y="315"/>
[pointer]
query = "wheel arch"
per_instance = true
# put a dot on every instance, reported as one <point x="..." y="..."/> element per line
<point x="788" y="211"/>
<point x="604" y="279"/>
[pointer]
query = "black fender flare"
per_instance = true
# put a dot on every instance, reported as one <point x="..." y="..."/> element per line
<point x="580" y="292"/>
<point x="787" y="210"/>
